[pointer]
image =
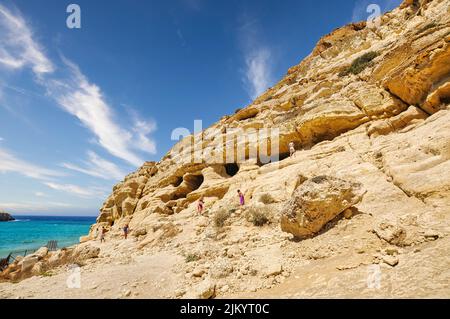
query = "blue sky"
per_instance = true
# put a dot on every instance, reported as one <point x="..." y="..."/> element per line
<point x="81" y="108"/>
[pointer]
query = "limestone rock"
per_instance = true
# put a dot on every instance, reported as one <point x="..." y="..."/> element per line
<point x="390" y="260"/>
<point x="28" y="262"/>
<point x="316" y="202"/>
<point x="391" y="232"/>
<point x="205" y="290"/>
<point x="274" y="270"/>
<point x="41" y="252"/>
<point x="221" y="269"/>
<point x="85" y="251"/>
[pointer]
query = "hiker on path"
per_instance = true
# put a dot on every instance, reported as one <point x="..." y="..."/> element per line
<point x="291" y="149"/>
<point x="126" y="229"/>
<point x="241" y="198"/>
<point x="102" y="234"/>
<point x="200" y="205"/>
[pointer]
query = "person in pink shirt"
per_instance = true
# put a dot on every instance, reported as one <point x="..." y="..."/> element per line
<point x="241" y="198"/>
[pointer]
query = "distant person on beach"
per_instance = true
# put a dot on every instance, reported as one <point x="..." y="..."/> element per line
<point x="241" y="198"/>
<point x="102" y="234"/>
<point x="200" y="205"/>
<point x="291" y="149"/>
<point x="126" y="229"/>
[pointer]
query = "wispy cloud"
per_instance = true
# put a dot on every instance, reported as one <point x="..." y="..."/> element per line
<point x="17" y="47"/>
<point x="97" y="166"/>
<point x="74" y="92"/>
<point x="87" y="192"/>
<point x="258" y="74"/>
<point x="85" y="101"/>
<point x="1" y="139"/>
<point x="142" y="129"/>
<point x="40" y="194"/>
<point x="181" y="37"/>
<point x="258" y="71"/>
<point x="33" y="206"/>
<point x="11" y="163"/>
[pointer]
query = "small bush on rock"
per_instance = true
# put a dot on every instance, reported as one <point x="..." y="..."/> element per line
<point x="220" y="217"/>
<point x="266" y="199"/>
<point x="258" y="216"/>
<point x="359" y="64"/>
<point x="192" y="257"/>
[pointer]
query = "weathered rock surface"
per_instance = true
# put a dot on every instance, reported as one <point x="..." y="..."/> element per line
<point x="316" y="202"/>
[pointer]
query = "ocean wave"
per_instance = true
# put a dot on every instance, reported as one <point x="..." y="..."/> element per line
<point x="20" y="220"/>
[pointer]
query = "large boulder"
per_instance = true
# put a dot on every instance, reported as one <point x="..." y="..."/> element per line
<point x="316" y="202"/>
<point x="85" y="251"/>
<point x="28" y="263"/>
<point x="204" y="290"/>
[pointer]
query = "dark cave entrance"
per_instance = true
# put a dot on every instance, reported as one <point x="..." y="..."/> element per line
<point x="231" y="169"/>
<point x="194" y="181"/>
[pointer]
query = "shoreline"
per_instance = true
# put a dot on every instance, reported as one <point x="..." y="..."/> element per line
<point x="28" y="233"/>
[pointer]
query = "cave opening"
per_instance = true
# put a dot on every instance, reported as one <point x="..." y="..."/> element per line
<point x="445" y="100"/>
<point x="195" y="181"/>
<point x="178" y="181"/>
<point x="231" y="169"/>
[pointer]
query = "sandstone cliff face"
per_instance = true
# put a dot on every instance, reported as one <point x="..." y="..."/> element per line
<point x="369" y="109"/>
<point x="379" y="116"/>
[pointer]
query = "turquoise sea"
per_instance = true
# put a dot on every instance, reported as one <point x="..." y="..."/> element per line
<point x="31" y="232"/>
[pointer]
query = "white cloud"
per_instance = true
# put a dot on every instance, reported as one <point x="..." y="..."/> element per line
<point x="17" y="47"/>
<point x="258" y="71"/>
<point x="1" y="139"/>
<point x="258" y="75"/>
<point x="84" y="100"/>
<point x="87" y="192"/>
<point x="142" y="129"/>
<point x="73" y="92"/>
<point x="32" y="206"/>
<point x="11" y="163"/>
<point x="97" y="166"/>
<point x="40" y="194"/>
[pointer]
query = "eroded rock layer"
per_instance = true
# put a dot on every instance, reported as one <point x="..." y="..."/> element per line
<point x="405" y="82"/>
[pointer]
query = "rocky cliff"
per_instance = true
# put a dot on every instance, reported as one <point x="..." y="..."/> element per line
<point x="364" y="97"/>
<point x="369" y="185"/>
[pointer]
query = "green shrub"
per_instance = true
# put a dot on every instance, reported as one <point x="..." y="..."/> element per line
<point x="258" y="216"/>
<point x="47" y="274"/>
<point x="266" y="199"/>
<point x="192" y="257"/>
<point x="220" y="217"/>
<point x="359" y="64"/>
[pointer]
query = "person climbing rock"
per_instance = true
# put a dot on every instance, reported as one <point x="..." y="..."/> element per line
<point x="102" y="234"/>
<point x="200" y="205"/>
<point x="126" y="229"/>
<point x="291" y="149"/>
<point x="241" y="198"/>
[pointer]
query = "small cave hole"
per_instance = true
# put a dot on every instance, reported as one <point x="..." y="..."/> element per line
<point x="194" y="181"/>
<point x="232" y="169"/>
